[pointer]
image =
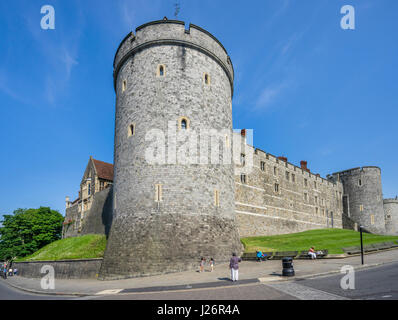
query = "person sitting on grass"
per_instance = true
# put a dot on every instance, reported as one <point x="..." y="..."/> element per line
<point x="312" y="253"/>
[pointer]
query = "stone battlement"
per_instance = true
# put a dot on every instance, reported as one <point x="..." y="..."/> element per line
<point x="173" y="32"/>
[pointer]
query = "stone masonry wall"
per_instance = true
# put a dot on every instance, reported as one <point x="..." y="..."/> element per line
<point x="263" y="211"/>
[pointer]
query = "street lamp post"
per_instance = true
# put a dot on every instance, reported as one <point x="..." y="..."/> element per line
<point x="360" y="231"/>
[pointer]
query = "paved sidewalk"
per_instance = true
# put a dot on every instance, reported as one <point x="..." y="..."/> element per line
<point x="249" y="272"/>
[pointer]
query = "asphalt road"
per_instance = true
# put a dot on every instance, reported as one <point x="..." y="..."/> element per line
<point x="9" y="293"/>
<point x="378" y="283"/>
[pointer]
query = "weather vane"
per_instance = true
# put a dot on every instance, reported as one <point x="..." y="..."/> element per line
<point x="177" y="9"/>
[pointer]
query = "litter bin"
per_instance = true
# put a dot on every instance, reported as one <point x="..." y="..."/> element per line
<point x="287" y="264"/>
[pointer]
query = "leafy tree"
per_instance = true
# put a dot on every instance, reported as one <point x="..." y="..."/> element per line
<point x="28" y="230"/>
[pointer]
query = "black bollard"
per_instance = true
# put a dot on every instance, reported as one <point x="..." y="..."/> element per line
<point x="287" y="264"/>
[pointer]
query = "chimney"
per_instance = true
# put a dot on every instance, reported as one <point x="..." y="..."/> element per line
<point x="67" y="202"/>
<point x="304" y="165"/>
<point x="243" y="132"/>
<point x="282" y="159"/>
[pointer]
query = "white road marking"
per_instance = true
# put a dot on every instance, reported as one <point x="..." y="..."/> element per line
<point x="304" y="293"/>
<point x="107" y="292"/>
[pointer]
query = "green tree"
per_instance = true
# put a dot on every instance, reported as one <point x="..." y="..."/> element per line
<point x="28" y="230"/>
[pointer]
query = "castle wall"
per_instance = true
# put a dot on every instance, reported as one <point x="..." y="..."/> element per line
<point x="362" y="187"/>
<point x="96" y="220"/>
<point x="263" y="211"/>
<point x="173" y="233"/>
<point x="70" y="227"/>
<point x="391" y="216"/>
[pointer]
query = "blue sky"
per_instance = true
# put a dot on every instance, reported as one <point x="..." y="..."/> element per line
<point x="309" y="89"/>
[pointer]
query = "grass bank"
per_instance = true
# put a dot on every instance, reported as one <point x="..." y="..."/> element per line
<point x="84" y="247"/>
<point x="331" y="239"/>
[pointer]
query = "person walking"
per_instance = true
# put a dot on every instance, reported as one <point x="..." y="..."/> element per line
<point x="211" y="265"/>
<point x="234" y="266"/>
<point x="202" y="264"/>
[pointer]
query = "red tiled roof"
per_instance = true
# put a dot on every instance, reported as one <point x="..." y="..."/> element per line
<point x="104" y="170"/>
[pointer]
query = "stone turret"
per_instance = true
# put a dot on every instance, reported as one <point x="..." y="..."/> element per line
<point x="168" y="79"/>
<point x="391" y="215"/>
<point x="363" y="197"/>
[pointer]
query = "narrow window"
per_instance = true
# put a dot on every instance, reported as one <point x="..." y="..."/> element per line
<point x="314" y="184"/>
<point x="161" y="71"/>
<point x="276" y="187"/>
<point x="89" y="188"/>
<point x="305" y="196"/>
<point x="158" y="192"/>
<point x="227" y="141"/>
<point x="131" y="130"/>
<point x="124" y="85"/>
<point x="293" y="177"/>
<point x="183" y="123"/>
<point x="243" y="178"/>
<point x="305" y="182"/>
<point x="216" y="198"/>
<point x="372" y="219"/>
<point x="361" y="207"/>
<point x="275" y="171"/>
<point x="287" y="175"/>
<point x="242" y="159"/>
<point x="316" y="210"/>
<point x="316" y="200"/>
<point x="206" y="78"/>
<point x="262" y="165"/>
<point x="360" y="182"/>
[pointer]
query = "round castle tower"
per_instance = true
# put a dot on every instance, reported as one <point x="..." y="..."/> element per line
<point x="391" y="215"/>
<point x="166" y="216"/>
<point x="362" y="187"/>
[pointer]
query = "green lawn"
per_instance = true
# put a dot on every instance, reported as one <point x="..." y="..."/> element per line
<point x="331" y="239"/>
<point x="84" y="247"/>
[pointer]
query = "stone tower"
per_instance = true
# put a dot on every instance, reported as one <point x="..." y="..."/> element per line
<point x="363" y="197"/>
<point x="166" y="216"/>
<point x="391" y="214"/>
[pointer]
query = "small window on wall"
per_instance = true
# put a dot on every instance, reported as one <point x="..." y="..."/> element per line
<point x="293" y="177"/>
<point x="216" y="198"/>
<point x="305" y="182"/>
<point x="158" y="192"/>
<point x="287" y="175"/>
<point x="276" y="187"/>
<point x="262" y="165"/>
<point x="161" y="71"/>
<point x="275" y="171"/>
<point x="361" y="207"/>
<point x="372" y="219"/>
<point x="131" y="130"/>
<point x="89" y="188"/>
<point x="206" y="78"/>
<point x="242" y="159"/>
<point x="243" y="178"/>
<point x="360" y="182"/>
<point x="183" y="123"/>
